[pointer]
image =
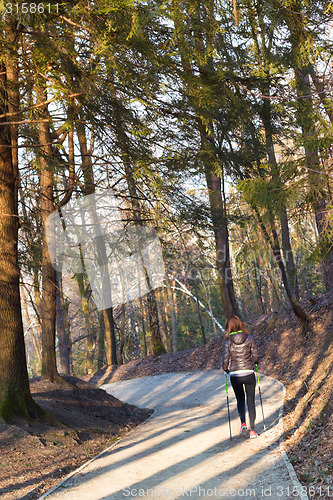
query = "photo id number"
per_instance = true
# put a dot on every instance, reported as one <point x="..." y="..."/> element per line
<point x="31" y="8"/>
<point x="311" y="491"/>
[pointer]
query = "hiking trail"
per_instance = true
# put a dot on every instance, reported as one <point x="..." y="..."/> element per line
<point x="184" y="451"/>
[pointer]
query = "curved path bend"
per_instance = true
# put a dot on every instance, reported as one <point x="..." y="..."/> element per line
<point x="184" y="451"/>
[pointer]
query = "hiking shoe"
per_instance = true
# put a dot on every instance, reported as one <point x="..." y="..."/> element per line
<point x="243" y="429"/>
<point x="253" y="434"/>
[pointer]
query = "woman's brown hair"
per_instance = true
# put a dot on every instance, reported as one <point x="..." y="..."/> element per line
<point x="234" y="324"/>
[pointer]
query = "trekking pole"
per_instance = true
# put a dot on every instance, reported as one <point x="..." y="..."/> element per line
<point x="226" y="390"/>
<point x="262" y="408"/>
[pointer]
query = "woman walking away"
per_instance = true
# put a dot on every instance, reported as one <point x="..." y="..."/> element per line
<point x="239" y="355"/>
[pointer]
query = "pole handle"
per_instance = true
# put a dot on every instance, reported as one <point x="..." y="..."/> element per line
<point x="257" y="373"/>
<point x="226" y="382"/>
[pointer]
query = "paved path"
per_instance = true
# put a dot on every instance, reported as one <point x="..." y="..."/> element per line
<point x="184" y="450"/>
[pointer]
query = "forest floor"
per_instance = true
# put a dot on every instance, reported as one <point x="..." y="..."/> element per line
<point x="36" y="456"/>
<point x="303" y="363"/>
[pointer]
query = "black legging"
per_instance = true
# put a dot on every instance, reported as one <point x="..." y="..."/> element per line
<point x="238" y="383"/>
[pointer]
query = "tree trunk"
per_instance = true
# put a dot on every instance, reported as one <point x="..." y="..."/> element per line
<point x="111" y="352"/>
<point x="220" y="226"/>
<point x="209" y="302"/>
<point x="204" y="340"/>
<point x="13" y="93"/>
<point x="61" y="330"/>
<point x="288" y="255"/>
<point x="154" y="325"/>
<point x="275" y="247"/>
<point x="306" y="111"/>
<point x="84" y="296"/>
<point x="165" y="311"/>
<point x="89" y="184"/>
<point x="277" y="303"/>
<point x="143" y="322"/>
<point x="62" y="326"/>
<point x="125" y="151"/>
<point x="134" y="329"/>
<point x="203" y="39"/>
<point x="122" y="337"/>
<point x="31" y="325"/>
<point x="15" y="396"/>
<point x="36" y="298"/>
<point x="48" y="299"/>
<point x="163" y="326"/>
<point x="325" y="99"/>
<point x="36" y="309"/>
<point x="101" y="342"/>
<point x="174" y="342"/>
<point x="257" y="278"/>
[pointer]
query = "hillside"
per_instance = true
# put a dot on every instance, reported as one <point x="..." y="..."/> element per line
<point x="303" y="363"/>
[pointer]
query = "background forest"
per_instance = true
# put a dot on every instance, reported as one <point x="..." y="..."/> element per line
<point x="211" y="123"/>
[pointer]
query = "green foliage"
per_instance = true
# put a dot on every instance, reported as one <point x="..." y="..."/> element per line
<point x="169" y="90"/>
<point x="264" y="191"/>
